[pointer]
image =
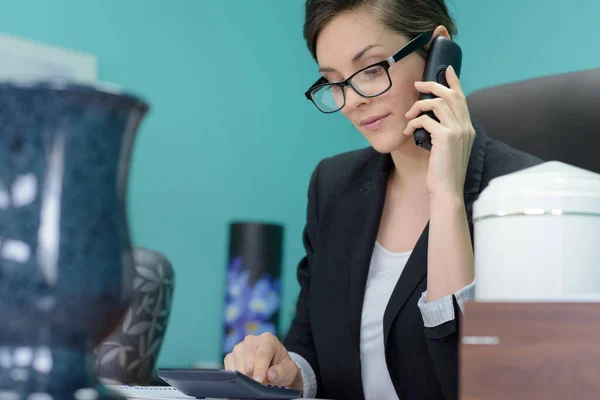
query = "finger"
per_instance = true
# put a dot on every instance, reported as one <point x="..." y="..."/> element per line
<point x="250" y="346"/>
<point x="455" y="100"/>
<point x="229" y="363"/>
<point x="238" y="358"/>
<point x="264" y="357"/>
<point x="453" y="80"/>
<point x="283" y="374"/>
<point x="434" y="88"/>
<point x="249" y="362"/>
<point x="439" y="107"/>
<point x="424" y="121"/>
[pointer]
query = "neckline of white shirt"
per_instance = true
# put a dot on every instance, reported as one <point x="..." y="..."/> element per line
<point x="391" y="253"/>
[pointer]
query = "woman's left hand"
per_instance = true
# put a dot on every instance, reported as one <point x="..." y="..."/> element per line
<point x="452" y="137"/>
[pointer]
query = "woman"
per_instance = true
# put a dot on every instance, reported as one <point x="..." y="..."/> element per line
<point x="389" y="257"/>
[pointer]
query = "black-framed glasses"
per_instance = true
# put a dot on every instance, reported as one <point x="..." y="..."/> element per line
<point x="371" y="81"/>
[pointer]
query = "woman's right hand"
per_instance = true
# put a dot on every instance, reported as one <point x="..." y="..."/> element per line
<point x="266" y="360"/>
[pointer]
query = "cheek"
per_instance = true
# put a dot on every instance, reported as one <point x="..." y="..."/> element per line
<point x="403" y="89"/>
<point x="402" y="95"/>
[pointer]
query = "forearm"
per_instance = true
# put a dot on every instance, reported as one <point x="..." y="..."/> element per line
<point x="450" y="253"/>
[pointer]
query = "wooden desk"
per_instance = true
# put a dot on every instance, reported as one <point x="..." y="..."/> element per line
<point x="512" y="351"/>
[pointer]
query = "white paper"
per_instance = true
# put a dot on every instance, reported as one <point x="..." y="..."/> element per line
<point x="153" y="393"/>
<point x="149" y="392"/>
<point x="22" y="59"/>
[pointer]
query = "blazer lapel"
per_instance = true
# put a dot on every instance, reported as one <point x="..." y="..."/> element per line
<point x="363" y="215"/>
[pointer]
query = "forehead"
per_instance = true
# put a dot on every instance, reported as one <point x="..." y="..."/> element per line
<point x="348" y="33"/>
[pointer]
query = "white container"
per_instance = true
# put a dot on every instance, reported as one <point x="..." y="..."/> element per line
<point x="537" y="236"/>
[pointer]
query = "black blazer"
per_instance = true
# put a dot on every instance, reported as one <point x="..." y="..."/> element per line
<point x="345" y="201"/>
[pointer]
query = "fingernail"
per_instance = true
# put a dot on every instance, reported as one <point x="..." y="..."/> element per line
<point x="258" y="378"/>
<point x="272" y="376"/>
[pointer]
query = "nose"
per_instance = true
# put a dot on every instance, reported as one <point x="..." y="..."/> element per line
<point x="353" y="99"/>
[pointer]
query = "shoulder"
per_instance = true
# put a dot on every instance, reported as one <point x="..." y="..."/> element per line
<point x="502" y="159"/>
<point x="342" y="167"/>
<point x="335" y="173"/>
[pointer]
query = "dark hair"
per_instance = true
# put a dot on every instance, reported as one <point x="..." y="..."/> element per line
<point x="407" y="17"/>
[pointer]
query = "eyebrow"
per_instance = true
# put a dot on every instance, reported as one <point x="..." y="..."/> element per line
<point x="355" y="59"/>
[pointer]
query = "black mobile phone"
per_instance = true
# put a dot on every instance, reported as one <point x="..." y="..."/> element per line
<point x="443" y="52"/>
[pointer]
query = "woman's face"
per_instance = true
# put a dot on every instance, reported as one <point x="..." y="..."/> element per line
<point x="380" y="119"/>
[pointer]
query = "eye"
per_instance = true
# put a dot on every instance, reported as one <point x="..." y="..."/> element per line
<point x="373" y="71"/>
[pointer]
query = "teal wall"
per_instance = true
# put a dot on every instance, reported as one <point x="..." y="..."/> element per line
<point x="230" y="135"/>
<point x="505" y="41"/>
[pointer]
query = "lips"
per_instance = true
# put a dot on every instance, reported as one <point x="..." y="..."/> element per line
<point x="372" y="123"/>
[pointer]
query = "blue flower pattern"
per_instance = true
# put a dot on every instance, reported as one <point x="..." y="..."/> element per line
<point x="248" y="309"/>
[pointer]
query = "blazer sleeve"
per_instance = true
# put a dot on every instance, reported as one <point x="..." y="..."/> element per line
<point x="443" y="341"/>
<point x="299" y="338"/>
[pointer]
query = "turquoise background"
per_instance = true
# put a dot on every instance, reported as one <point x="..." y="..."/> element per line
<point x="230" y="135"/>
<point x="505" y="41"/>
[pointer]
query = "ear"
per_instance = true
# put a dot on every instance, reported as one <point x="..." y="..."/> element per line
<point x="439" y="31"/>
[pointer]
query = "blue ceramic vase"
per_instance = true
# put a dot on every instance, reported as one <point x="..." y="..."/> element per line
<point x="65" y="254"/>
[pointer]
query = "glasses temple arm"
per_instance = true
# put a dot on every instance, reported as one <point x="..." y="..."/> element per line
<point x="416" y="44"/>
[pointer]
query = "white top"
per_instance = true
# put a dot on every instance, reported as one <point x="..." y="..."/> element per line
<point x="384" y="272"/>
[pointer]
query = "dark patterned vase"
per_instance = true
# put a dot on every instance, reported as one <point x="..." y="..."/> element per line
<point x="128" y="356"/>
<point x="65" y="256"/>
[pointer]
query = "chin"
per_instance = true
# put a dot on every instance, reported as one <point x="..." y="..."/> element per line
<point x="387" y="142"/>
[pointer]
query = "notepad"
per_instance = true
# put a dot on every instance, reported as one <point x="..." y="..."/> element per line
<point x="148" y="392"/>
